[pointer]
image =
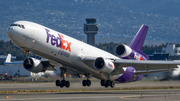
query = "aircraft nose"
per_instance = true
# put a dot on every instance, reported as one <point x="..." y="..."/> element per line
<point x="9" y="31"/>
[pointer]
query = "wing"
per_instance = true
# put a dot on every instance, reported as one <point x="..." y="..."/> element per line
<point x="47" y="63"/>
<point x="50" y="64"/>
<point x="142" y="67"/>
<point x="148" y="66"/>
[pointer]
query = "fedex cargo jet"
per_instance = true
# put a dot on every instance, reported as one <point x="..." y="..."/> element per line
<point x="75" y="57"/>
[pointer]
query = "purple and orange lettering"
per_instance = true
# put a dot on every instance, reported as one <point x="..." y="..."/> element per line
<point x="68" y="46"/>
<point x="58" y="41"/>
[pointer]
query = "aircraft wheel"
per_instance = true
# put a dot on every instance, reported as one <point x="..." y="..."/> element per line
<point x="61" y="85"/>
<point x="108" y="82"/>
<point x="67" y="84"/>
<point x="57" y="83"/>
<point x="88" y="83"/>
<point x="84" y="83"/>
<point x="102" y="82"/>
<point x="63" y="82"/>
<point x="106" y="85"/>
<point x="112" y="84"/>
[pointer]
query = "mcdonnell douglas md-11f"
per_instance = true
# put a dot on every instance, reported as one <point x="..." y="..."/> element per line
<point x="78" y="58"/>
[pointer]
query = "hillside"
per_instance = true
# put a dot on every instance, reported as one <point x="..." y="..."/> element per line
<point x="118" y="20"/>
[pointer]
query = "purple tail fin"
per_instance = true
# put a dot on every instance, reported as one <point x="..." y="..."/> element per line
<point x="138" y="41"/>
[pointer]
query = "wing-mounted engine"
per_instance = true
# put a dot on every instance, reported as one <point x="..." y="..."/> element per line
<point x="123" y="50"/>
<point x="104" y="65"/>
<point x="33" y="65"/>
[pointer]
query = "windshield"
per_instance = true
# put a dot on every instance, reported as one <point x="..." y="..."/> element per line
<point x="21" y="26"/>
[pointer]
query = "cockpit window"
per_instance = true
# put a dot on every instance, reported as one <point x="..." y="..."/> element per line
<point x="21" y="26"/>
<point x="13" y="25"/>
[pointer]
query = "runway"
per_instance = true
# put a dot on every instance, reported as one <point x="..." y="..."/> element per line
<point x="147" y="95"/>
<point x="78" y="85"/>
<point x="106" y="94"/>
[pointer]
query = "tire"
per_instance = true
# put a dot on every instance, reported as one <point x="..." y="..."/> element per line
<point x="57" y="83"/>
<point x="106" y="85"/>
<point x="61" y="85"/>
<point x="84" y="83"/>
<point x="112" y="84"/>
<point x="108" y="82"/>
<point x="102" y="82"/>
<point x="67" y="84"/>
<point x="63" y="82"/>
<point x="88" y="82"/>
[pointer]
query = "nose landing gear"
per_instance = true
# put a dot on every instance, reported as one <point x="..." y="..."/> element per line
<point x="27" y="52"/>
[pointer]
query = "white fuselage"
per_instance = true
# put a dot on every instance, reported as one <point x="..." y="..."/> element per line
<point x="55" y="46"/>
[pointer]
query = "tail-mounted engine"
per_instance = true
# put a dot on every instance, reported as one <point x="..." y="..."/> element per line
<point x="33" y="65"/>
<point x="103" y="65"/>
<point x="126" y="52"/>
<point x="123" y="50"/>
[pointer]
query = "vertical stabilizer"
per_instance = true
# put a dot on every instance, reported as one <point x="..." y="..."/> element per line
<point x="138" y="41"/>
<point x="8" y="59"/>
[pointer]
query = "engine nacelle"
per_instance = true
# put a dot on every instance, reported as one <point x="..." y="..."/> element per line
<point x="103" y="65"/>
<point x="123" y="50"/>
<point x="33" y="65"/>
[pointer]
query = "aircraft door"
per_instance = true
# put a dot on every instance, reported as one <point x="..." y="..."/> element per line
<point x="31" y="38"/>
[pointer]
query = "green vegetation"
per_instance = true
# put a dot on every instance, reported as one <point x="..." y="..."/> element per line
<point x="86" y="90"/>
<point x="9" y="47"/>
<point x="111" y="47"/>
<point x="118" y="20"/>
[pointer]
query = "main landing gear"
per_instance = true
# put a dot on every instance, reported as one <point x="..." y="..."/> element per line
<point x="86" y="82"/>
<point x="107" y="83"/>
<point x="63" y="82"/>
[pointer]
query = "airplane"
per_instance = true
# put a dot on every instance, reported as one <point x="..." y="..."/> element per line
<point x="77" y="58"/>
<point x="8" y="62"/>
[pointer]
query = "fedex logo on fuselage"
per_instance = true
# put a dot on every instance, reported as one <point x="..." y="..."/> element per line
<point x="138" y="57"/>
<point x="58" y="41"/>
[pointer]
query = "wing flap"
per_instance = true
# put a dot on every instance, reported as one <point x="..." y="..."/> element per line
<point x="142" y="67"/>
<point x="152" y="71"/>
<point x="147" y="65"/>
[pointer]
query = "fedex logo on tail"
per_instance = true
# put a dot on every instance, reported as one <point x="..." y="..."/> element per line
<point x="138" y="57"/>
<point x="58" y="41"/>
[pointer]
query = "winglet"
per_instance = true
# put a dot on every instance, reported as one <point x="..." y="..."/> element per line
<point x="8" y="59"/>
<point x="138" y="41"/>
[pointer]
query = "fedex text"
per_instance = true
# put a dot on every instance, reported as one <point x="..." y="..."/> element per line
<point x="58" y="41"/>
